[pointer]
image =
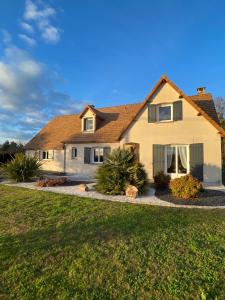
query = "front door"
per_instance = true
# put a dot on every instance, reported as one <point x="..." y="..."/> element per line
<point x="177" y="160"/>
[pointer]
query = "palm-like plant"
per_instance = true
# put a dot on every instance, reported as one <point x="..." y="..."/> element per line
<point x="22" y="168"/>
<point x="120" y="169"/>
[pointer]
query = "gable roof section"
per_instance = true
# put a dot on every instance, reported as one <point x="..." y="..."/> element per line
<point x="96" y="112"/>
<point x="67" y="128"/>
<point x="113" y="121"/>
<point x="203" y="104"/>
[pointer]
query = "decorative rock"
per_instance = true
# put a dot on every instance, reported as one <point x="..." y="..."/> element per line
<point x="131" y="191"/>
<point x="83" y="187"/>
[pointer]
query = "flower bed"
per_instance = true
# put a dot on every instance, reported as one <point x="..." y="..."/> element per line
<point x="51" y="182"/>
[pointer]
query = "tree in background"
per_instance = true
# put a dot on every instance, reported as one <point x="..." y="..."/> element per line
<point x="220" y="108"/>
<point x="9" y="149"/>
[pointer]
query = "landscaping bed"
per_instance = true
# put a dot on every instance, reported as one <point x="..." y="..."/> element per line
<point x="206" y="198"/>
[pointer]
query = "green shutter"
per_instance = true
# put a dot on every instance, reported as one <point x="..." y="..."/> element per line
<point x="196" y="160"/>
<point x="106" y="152"/>
<point x="177" y="111"/>
<point x="158" y="159"/>
<point x="87" y="155"/>
<point x="151" y="113"/>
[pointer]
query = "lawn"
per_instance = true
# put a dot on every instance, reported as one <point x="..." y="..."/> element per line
<point x="54" y="246"/>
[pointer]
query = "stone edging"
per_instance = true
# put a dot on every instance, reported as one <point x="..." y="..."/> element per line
<point x="149" y="199"/>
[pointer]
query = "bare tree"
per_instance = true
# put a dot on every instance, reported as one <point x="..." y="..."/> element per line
<point x="220" y="107"/>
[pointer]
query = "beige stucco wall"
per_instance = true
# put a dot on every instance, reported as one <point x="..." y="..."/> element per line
<point x="77" y="166"/>
<point x="56" y="164"/>
<point x="192" y="129"/>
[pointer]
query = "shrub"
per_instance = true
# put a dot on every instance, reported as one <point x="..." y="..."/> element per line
<point x="119" y="170"/>
<point x="185" y="187"/>
<point x="22" y="168"/>
<point x="161" y="180"/>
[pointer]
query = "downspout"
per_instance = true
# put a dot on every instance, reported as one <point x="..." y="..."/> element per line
<point x="64" y="147"/>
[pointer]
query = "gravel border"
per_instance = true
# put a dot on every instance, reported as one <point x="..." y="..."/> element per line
<point x="149" y="198"/>
<point x="208" y="197"/>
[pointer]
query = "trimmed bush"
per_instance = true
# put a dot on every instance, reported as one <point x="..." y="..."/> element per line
<point x="161" y="180"/>
<point x="120" y="170"/>
<point x="185" y="187"/>
<point x="22" y="168"/>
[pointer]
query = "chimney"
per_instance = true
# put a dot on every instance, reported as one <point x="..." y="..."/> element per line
<point x="201" y="90"/>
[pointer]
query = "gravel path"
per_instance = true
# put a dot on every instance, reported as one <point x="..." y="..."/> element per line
<point x="149" y="198"/>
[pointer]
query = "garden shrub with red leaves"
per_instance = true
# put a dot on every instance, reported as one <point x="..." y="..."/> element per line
<point x="51" y="182"/>
<point x="185" y="187"/>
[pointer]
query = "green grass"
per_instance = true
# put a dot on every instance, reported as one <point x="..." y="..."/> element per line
<point x="54" y="246"/>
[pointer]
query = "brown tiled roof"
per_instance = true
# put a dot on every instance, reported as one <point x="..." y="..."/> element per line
<point x="206" y="103"/>
<point x="113" y="121"/>
<point x="67" y="128"/>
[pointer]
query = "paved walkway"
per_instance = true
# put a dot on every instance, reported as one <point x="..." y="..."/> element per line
<point x="149" y="198"/>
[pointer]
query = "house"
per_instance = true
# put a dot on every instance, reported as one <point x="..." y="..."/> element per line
<point x="169" y="131"/>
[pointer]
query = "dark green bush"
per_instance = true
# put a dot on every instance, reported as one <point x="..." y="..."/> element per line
<point x="22" y="168"/>
<point x="161" y="180"/>
<point x="119" y="170"/>
<point x="185" y="187"/>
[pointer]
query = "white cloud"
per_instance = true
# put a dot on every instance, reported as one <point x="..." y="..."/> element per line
<point x="41" y="16"/>
<point x="6" y="37"/>
<point x="30" y="41"/>
<point x="32" y="12"/>
<point x="28" y="95"/>
<point x="51" y="34"/>
<point x="27" y="27"/>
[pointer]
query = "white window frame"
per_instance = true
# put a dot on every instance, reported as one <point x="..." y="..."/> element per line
<point x="164" y="105"/>
<point x="175" y="175"/>
<point x="84" y="124"/>
<point x="93" y="155"/>
<point x="42" y="152"/>
<point x="48" y="155"/>
<point x="72" y="153"/>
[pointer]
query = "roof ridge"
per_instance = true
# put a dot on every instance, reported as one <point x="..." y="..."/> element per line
<point x="200" y="95"/>
<point x="119" y="105"/>
<point x="97" y="108"/>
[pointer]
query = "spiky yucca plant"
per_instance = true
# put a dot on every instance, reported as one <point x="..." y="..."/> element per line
<point x="119" y="170"/>
<point x="22" y="168"/>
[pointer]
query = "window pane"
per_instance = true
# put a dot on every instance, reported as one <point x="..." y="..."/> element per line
<point x="88" y="123"/>
<point x="96" y="154"/>
<point x="164" y="113"/>
<point x="171" y="159"/>
<point x="74" y="152"/>
<point x="45" y="154"/>
<point x="182" y="160"/>
<point x="101" y="155"/>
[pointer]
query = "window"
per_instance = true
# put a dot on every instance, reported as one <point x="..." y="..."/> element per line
<point x="177" y="159"/>
<point x="97" y="155"/>
<point x="88" y="124"/>
<point x="165" y="112"/>
<point x="45" y="155"/>
<point x="74" y="152"/>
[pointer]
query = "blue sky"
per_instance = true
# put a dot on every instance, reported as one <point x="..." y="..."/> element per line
<point x="58" y="55"/>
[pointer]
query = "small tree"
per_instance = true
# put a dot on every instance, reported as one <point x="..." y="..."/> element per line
<point x="22" y="168"/>
<point x="119" y="170"/>
<point x="220" y="109"/>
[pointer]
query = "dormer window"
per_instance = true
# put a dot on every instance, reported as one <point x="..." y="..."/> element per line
<point x="88" y="124"/>
<point x="90" y="119"/>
